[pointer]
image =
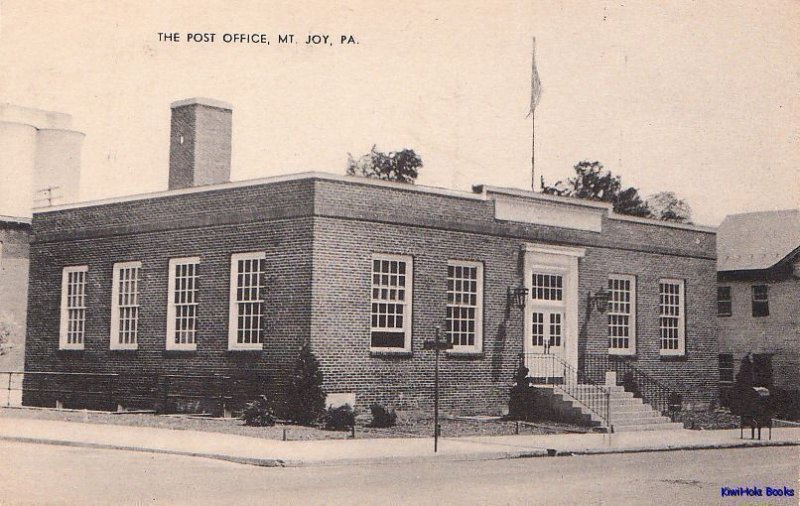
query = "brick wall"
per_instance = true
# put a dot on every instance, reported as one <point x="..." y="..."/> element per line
<point x="214" y="237"/>
<point x="319" y="236"/>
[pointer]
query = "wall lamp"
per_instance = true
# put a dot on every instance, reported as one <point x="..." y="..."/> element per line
<point x="517" y="296"/>
<point x="599" y="300"/>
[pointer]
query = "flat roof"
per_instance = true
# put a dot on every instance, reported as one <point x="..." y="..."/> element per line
<point x="480" y="192"/>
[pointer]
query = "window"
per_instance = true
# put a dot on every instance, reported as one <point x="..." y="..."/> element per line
<point x="671" y="317"/>
<point x="726" y="368"/>
<point x="125" y="306"/>
<point x="724" y="301"/>
<point x="182" y="303"/>
<point x="73" y="308"/>
<point x="245" y="330"/>
<point x="725" y="378"/>
<point x="760" y="300"/>
<point x="547" y="317"/>
<point x="464" y="305"/>
<point x="547" y="287"/>
<point x="621" y="315"/>
<point x="392" y="277"/>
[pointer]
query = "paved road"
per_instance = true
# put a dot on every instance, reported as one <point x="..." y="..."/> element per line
<point x="53" y="474"/>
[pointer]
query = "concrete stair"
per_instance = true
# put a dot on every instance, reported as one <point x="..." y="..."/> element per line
<point x="626" y="412"/>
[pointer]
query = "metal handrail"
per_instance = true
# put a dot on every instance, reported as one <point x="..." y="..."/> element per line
<point x="641" y="384"/>
<point x="544" y="368"/>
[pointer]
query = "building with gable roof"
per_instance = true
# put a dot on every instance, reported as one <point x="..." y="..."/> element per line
<point x="758" y="297"/>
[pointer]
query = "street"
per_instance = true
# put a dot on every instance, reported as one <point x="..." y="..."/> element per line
<point x="45" y="474"/>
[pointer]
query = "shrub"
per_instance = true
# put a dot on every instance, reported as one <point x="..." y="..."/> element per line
<point x="259" y="413"/>
<point x="382" y="417"/>
<point x="522" y="401"/>
<point x="340" y="418"/>
<point x="305" y="403"/>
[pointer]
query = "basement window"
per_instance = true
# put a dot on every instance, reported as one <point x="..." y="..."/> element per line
<point x="390" y="310"/>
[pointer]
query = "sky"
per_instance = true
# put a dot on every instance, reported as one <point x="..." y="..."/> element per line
<point x="699" y="98"/>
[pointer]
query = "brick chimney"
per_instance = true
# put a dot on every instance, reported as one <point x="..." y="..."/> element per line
<point x="200" y="143"/>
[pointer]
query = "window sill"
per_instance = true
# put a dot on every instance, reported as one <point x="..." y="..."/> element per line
<point x="71" y="350"/>
<point x="390" y="354"/>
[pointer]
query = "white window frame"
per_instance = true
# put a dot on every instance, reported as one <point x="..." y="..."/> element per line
<point x="681" y="350"/>
<point x="115" y="306"/>
<point x="172" y="306"/>
<point x="407" y="303"/>
<point x="233" y="306"/>
<point x="478" y="346"/>
<point x="631" y="349"/>
<point x="63" y="333"/>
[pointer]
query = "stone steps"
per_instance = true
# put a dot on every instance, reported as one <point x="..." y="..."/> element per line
<point x="626" y="413"/>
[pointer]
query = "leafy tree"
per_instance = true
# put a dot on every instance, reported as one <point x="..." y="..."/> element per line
<point x="306" y="401"/>
<point x="7" y="330"/>
<point x="667" y="206"/>
<point x="400" y="166"/>
<point x="742" y="387"/>
<point x="593" y="182"/>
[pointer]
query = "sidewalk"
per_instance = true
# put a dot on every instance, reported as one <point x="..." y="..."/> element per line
<point x="264" y="452"/>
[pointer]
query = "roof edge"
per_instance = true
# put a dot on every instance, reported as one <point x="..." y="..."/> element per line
<point x="299" y="176"/>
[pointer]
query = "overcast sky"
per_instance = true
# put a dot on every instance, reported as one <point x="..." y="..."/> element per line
<point x="702" y="98"/>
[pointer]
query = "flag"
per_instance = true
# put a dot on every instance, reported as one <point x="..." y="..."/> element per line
<point x="536" y="84"/>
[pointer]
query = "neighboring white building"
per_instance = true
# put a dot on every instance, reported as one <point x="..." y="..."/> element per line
<point x="40" y="159"/>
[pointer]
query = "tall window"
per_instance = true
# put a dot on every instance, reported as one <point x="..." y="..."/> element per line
<point x="182" y="304"/>
<point x="760" y="300"/>
<point x="621" y="315"/>
<point x="464" y="305"/>
<point x="672" y="316"/>
<point x="724" y="301"/>
<point x="125" y="306"/>
<point x="392" y="278"/>
<point x="725" y="378"/>
<point x="73" y="307"/>
<point x="245" y="330"/>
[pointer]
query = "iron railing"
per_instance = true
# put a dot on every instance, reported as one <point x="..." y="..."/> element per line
<point x="641" y="384"/>
<point x="547" y="369"/>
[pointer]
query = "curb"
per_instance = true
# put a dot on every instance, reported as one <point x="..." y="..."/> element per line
<point x="464" y="457"/>
<point x="102" y="446"/>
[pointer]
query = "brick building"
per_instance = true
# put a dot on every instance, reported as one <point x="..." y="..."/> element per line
<point x="231" y="278"/>
<point x="758" y="296"/>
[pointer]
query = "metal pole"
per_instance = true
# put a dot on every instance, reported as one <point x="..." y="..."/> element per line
<point x="436" y="397"/>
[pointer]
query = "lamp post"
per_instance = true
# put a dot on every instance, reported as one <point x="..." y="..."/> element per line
<point x="436" y="345"/>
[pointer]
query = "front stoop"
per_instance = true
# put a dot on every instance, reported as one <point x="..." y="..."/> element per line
<point x="626" y="412"/>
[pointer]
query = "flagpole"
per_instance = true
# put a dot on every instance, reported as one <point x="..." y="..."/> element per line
<point x="533" y="151"/>
<point x="536" y="93"/>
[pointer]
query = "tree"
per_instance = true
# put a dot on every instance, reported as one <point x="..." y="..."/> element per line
<point x="306" y="401"/>
<point x="667" y="206"/>
<point x="593" y="182"/>
<point x="400" y="166"/>
<point x="8" y="329"/>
